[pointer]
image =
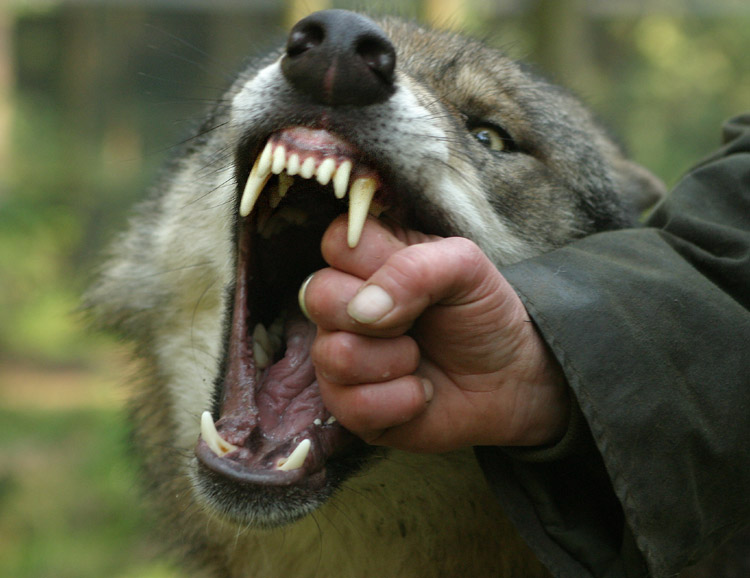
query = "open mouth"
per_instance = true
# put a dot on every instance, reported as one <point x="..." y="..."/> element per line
<point x="273" y="429"/>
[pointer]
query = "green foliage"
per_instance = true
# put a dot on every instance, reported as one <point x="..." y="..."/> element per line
<point x="36" y="297"/>
<point x="679" y="78"/>
<point x="69" y="498"/>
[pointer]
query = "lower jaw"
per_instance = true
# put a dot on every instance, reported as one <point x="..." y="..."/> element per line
<point x="264" y="506"/>
<point x="255" y="506"/>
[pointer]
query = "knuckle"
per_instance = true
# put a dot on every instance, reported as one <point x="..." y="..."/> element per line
<point x="410" y="270"/>
<point x="335" y="355"/>
<point x="466" y="249"/>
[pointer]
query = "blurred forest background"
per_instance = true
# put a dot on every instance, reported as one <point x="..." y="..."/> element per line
<point x="94" y="94"/>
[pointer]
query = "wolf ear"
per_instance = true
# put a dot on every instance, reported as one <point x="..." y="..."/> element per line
<point x="638" y="185"/>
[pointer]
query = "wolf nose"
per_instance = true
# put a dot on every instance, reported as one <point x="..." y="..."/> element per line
<point x="337" y="57"/>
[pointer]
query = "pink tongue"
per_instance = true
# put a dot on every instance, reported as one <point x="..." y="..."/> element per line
<point x="288" y="397"/>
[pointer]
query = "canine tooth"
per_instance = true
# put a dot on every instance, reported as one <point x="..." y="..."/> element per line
<point x="360" y="197"/>
<point x="293" y="165"/>
<point x="218" y="445"/>
<point x="296" y="458"/>
<point x="331" y="420"/>
<point x="307" y="170"/>
<point x="258" y="179"/>
<point x="253" y="188"/>
<point x="279" y="160"/>
<point x="326" y="170"/>
<point x="341" y="179"/>
<point x="265" y="159"/>
<point x="317" y="422"/>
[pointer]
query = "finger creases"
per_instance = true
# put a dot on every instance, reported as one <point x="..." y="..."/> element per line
<point x="368" y="409"/>
<point x="450" y="271"/>
<point x="345" y="358"/>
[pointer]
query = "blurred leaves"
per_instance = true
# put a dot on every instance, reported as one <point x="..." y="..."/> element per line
<point x="39" y="233"/>
<point x="67" y="489"/>
<point x="678" y="78"/>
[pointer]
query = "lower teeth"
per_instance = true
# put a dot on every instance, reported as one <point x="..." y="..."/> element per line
<point x="297" y="458"/>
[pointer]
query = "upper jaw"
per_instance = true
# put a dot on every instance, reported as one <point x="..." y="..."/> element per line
<point x="298" y="152"/>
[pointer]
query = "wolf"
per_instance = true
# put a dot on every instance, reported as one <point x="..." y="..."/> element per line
<point x="247" y="470"/>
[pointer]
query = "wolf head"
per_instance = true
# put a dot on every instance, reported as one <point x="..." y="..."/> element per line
<point x="425" y="129"/>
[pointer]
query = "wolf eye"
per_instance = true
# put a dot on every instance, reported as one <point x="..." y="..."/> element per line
<point x="492" y="137"/>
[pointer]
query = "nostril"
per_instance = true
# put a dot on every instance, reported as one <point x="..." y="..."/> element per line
<point x="339" y="58"/>
<point x="379" y="56"/>
<point x="303" y="39"/>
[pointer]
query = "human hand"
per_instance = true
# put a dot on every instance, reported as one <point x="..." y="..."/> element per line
<point x="423" y="346"/>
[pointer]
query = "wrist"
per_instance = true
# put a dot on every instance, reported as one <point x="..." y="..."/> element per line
<point x="544" y="400"/>
<point x="572" y="442"/>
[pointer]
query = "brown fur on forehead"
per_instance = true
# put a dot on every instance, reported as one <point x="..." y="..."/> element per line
<point x="478" y="80"/>
<point x="489" y="93"/>
<point x="429" y="55"/>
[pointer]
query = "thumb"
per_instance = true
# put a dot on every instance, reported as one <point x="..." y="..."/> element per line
<point x="452" y="271"/>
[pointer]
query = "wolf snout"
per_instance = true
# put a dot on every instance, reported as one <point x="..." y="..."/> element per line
<point x="337" y="57"/>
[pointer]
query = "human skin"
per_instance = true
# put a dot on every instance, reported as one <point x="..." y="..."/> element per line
<point x="422" y="345"/>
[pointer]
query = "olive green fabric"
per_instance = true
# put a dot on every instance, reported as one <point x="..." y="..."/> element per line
<point x="652" y="329"/>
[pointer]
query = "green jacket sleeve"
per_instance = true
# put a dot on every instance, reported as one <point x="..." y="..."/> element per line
<point x="652" y="329"/>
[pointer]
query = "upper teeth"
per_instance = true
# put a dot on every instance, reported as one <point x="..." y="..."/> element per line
<point x="274" y="160"/>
